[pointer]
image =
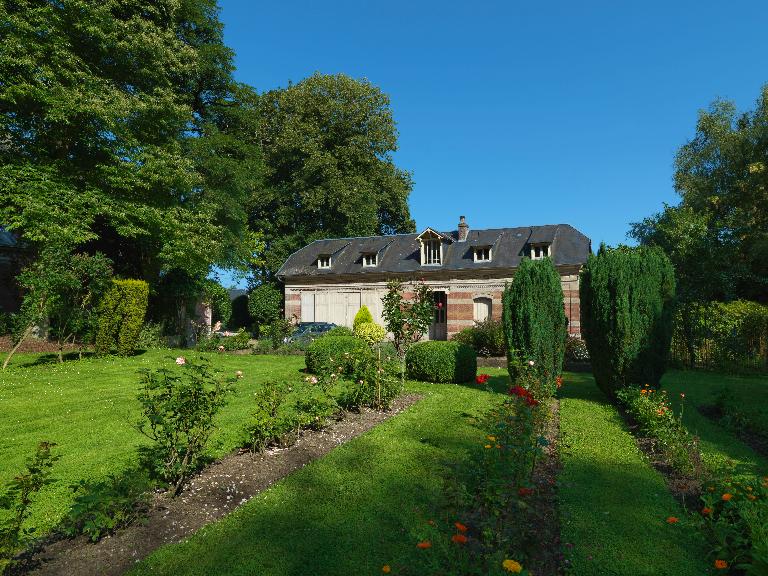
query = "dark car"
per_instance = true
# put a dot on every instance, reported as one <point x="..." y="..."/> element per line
<point x="308" y="331"/>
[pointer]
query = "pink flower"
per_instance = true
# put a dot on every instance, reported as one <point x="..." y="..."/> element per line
<point x="221" y="349"/>
<point x="531" y="362"/>
<point x="181" y="360"/>
<point x="313" y="380"/>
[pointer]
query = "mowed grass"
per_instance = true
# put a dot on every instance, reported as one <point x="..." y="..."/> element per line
<point x="360" y="507"/>
<point x="89" y="409"/>
<point x="614" y="505"/>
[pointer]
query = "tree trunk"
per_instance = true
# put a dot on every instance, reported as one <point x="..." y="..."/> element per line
<point x="25" y="334"/>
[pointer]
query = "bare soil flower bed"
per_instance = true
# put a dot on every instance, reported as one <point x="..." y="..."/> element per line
<point x="215" y="492"/>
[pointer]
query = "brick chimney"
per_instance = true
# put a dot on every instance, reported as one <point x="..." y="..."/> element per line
<point x="463" y="229"/>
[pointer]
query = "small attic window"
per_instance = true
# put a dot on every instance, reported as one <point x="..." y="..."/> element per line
<point x="482" y="254"/>
<point x="323" y="261"/>
<point x="433" y="252"/>
<point x="370" y="260"/>
<point x="539" y="251"/>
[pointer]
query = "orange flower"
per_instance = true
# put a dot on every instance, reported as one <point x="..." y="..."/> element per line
<point x="431" y="522"/>
<point x="459" y="538"/>
<point x="721" y="564"/>
<point x="460" y="527"/>
<point x="643" y="391"/>
<point x="424" y="544"/>
<point x="673" y="520"/>
<point x="386" y="569"/>
<point x="727" y="496"/>
<point x="706" y="511"/>
<point x="751" y="497"/>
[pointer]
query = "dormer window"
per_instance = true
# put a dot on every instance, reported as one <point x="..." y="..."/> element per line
<point x="539" y="251"/>
<point x="432" y="247"/>
<point x="482" y="253"/>
<point x="324" y="261"/>
<point x="370" y="260"/>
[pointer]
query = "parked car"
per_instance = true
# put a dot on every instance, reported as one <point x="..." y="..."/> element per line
<point x="308" y="331"/>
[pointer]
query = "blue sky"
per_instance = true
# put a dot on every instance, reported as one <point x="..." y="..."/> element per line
<point x="522" y="113"/>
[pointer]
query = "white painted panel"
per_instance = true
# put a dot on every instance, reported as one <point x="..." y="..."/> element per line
<point x="353" y="306"/>
<point x="372" y="299"/>
<point x="482" y="309"/>
<point x="322" y="307"/>
<point x="307" y="306"/>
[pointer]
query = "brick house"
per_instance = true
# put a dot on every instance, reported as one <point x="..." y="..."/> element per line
<point x="329" y="280"/>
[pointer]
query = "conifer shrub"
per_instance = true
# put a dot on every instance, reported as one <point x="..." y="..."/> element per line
<point x="534" y="322"/>
<point x="121" y="316"/>
<point x="627" y="299"/>
<point x="441" y="362"/>
<point x="363" y="316"/>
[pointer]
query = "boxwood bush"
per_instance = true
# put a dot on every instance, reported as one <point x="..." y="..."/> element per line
<point x="441" y="362"/>
<point x="328" y="352"/>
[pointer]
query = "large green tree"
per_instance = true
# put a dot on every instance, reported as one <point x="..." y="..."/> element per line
<point x="717" y="237"/>
<point x="123" y="132"/>
<point x="327" y="145"/>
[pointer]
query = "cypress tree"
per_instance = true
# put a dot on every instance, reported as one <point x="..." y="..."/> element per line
<point x="534" y="320"/>
<point x="627" y="298"/>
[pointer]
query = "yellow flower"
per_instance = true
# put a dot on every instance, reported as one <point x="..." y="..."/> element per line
<point x="512" y="566"/>
<point x="491" y="438"/>
<point x="386" y="569"/>
<point x="487" y="445"/>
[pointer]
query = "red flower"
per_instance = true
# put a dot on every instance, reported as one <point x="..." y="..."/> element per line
<point x="459" y="538"/>
<point x="559" y="381"/>
<point x="460" y="527"/>
<point x="482" y="378"/>
<point x="531" y="401"/>
<point x="518" y="391"/>
<point x="525" y="491"/>
<point x="424" y="544"/>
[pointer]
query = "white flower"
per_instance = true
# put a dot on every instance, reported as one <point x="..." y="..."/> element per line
<point x="221" y="348"/>
<point x="531" y="362"/>
<point x="360" y="382"/>
<point x="313" y="380"/>
<point x="239" y="373"/>
<point x="181" y="360"/>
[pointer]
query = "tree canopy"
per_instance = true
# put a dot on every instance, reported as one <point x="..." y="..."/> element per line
<point x="123" y="132"/>
<point x="327" y="145"/>
<point x="717" y="237"/>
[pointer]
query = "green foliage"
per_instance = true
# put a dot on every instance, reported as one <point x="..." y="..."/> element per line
<point x="100" y="508"/>
<point x="178" y="409"/>
<point x="151" y="337"/>
<point x="240" y="341"/>
<point x="7" y="322"/>
<point x="265" y="303"/>
<point x="374" y="384"/>
<point x="329" y="352"/>
<point x="17" y="499"/>
<point x="363" y="316"/>
<point x="627" y="298"/>
<point x="327" y="145"/>
<point x="218" y="297"/>
<point x="534" y="320"/>
<point x="338" y="331"/>
<point x="717" y="237"/>
<point x="441" y="362"/>
<point x="277" y="332"/>
<point x="727" y="336"/>
<point x="370" y="332"/>
<point x="486" y="338"/>
<point x="121" y="316"/>
<point x="576" y="350"/>
<point x="124" y="129"/>
<point x="407" y="320"/>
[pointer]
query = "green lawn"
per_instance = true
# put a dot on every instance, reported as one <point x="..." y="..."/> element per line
<point x="614" y="506"/>
<point x="89" y="407"/>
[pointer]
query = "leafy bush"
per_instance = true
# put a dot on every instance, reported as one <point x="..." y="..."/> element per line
<point x="17" y="499"/>
<point x="534" y="320"/>
<point x="265" y="304"/>
<point x="151" y="337"/>
<point x="338" y="331"/>
<point x="374" y="383"/>
<point x="329" y="352"/>
<point x="277" y="332"/>
<point x="178" y="409"/>
<point x="363" y="316"/>
<point x="121" y="316"/>
<point x="370" y="333"/>
<point x="218" y="297"/>
<point x="486" y="338"/>
<point x="576" y="350"/>
<point x="100" y="508"/>
<point x="441" y="362"/>
<point x="240" y="341"/>
<point x="627" y="297"/>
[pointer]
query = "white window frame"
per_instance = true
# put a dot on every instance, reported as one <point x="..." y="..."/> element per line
<point x="540" y="251"/>
<point x="370" y="260"/>
<point x="323" y="262"/>
<point x="480" y="251"/>
<point x="432" y="252"/>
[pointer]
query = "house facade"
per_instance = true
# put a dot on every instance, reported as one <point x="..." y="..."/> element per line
<point x="329" y="280"/>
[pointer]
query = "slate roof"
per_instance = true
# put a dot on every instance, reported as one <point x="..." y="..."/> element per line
<point x="400" y="253"/>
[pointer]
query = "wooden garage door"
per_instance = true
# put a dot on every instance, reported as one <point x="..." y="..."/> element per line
<point x="337" y="307"/>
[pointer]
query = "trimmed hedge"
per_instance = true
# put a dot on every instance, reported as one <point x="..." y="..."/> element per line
<point x="441" y="362"/>
<point x="121" y="316"/>
<point x="327" y="353"/>
<point x="627" y="298"/>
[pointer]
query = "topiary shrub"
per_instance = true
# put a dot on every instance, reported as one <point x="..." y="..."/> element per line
<point x="370" y="333"/>
<point x="363" y="316"/>
<point x="534" y="322"/>
<point x="627" y="297"/>
<point x="441" y="362"/>
<point x="329" y="352"/>
<point x="121" y="316"/>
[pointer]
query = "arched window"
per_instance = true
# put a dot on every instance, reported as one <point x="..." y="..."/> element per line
<point x="483" y="309"/>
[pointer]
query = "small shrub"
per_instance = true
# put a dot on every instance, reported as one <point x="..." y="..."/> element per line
<point x="178" y="408"/>
<point x="151" y="337"/>
<point x="240" y="341"/>
<point x="363" y="316"/>
<point x="338" y="331"/>
<point x="278" y="331"/>
<point x="217" y="296"/>
<point x="373" y="384"/>
<point x="100" y="508"/>
<point x="441" y="362"/>
<point x="265" y="304"/>
<point x="576" y="350"/>
<point x="265" y="425"/>
<point x="486" y="338"/>
<point x="370" y="333"/>
<point x="121" y="316"/>
<point x="329" y="352"/>
<point x="17" y="499"/>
